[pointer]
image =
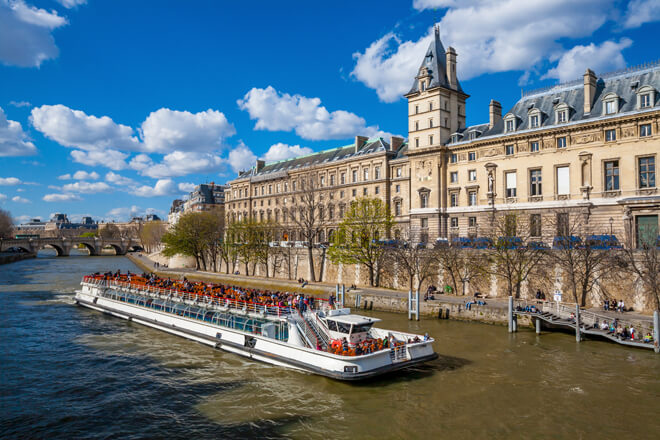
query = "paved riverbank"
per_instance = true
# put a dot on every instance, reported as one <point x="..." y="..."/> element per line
<point x="444" y="306"/>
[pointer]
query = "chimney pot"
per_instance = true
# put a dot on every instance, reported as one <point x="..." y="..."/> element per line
<point x="494" y="113"/>
<point x="359" y="141"/>
<point x="589" y="90"/>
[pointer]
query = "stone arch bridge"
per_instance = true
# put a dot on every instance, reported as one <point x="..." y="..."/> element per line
<point x="63" y="245"/>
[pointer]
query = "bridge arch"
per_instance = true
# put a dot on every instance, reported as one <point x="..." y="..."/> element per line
<point x="117" y="248"/>
<point x="135" y="248"/>
<point x="91" y="248"/>
<point x="59" y="249"/>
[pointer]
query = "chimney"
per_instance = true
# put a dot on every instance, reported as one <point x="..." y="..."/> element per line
<point x="359" y="141"/>
<point x="259" y="166"/>
<point x="589" y="90"/>
<point x="494" y="113"/>
<point x="395" y="143"/>
<point x="451" y="67"/>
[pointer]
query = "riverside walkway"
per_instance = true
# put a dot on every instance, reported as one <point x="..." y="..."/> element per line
<point x="553" y="321"/>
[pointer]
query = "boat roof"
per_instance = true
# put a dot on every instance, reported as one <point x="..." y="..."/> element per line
<point x="353" y="319"/>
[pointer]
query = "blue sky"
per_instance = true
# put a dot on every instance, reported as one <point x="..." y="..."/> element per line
<point x="114" y="108"/>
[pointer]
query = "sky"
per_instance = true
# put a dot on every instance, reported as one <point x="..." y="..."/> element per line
<point x="114" y="108"/>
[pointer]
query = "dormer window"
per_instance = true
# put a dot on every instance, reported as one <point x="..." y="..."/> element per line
<point x="534" y="118"/>
<point x="610" y="104"/>
<point x="645" y="97"/>
<point x="561" y="113"/>
<point x="456" y="137"/>
<point x="510" y="123"/>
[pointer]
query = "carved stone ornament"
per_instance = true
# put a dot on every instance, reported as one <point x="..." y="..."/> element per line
<point x="586" y="138"/>
<point x="628" y="132"/>
<point x="462" y="157"/>
<point x="492" y="152"/>
<point x="523" y="148"/>
<point x="547" y="144"/>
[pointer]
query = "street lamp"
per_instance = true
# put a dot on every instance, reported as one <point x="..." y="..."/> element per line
<point x="611" y="222"/>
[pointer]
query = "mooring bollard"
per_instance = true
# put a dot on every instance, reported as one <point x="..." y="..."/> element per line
<point x="511" y="314"/>
<point x="343" y="294"/>
<point x="538" y="326"/>
<point x="409" y="305"/>
<point x="656" y="331"/>
<point x="577" y="322"/>
<point x="416" y="305"/>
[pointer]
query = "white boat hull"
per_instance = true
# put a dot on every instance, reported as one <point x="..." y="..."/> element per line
<point x="255" y="346"/>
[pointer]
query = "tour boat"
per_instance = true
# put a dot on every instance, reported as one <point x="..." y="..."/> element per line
<point x="319" y="338"/>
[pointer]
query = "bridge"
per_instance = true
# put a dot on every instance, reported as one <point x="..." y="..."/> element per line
<point x="63" y="245"/>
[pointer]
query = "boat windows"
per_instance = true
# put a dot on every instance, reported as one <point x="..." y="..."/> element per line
<point x="332" y="325"/>
<point x="343" y="327"/>
<point x="362" y="328"/>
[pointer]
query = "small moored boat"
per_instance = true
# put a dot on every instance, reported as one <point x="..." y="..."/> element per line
<point x="303" y="333"/>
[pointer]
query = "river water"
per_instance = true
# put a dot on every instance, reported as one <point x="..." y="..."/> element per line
<point x="69" y="372"/>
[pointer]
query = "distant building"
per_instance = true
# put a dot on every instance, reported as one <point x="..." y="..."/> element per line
<point x="205" y="197"/>
<point x="175" y="211"/>
<point x="56" y="224"/>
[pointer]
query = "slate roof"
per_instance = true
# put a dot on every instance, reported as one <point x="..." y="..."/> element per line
<point x="624" y="84"/>
<point x="436" y="61"/>
<point x="280" y="168"/>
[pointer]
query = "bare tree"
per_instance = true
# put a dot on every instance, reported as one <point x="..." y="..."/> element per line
<point x="6" y="224"/>
<point x="583" y="261"/>
<point x="151" y="234"/>
<point x="513" y="256"/>
<point x="413" y="258"/>
<point x="643" y="261"/>
<point x="461" y="265"/>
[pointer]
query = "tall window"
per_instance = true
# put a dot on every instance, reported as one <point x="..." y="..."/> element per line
<point x="424" y="200"/>
<point x="342" y="178"/>
<point x="610" y="107"/>
<point x="431" y="140"/>
<point x="355" y="176"/>
<point x="321" y="181"/>
<point x="510" y="125"/>
<point x="377" y="190"/>
<point x="377" y="173"/>
<point x="397" y="207"/>
<point x="416" y="126"/>
<point x="563" y="181"/>
<point x="365" y="174"/>
<point x="645" y="100"/>
<point x="472" y="156"/>
<point x="612" y="175"/>
<point x="453" y="199"/>
<point x="472" y="175"/>
<point x="398" y="172"/>
<point x="534" y="147"/>
<point x="647" y="172"/>
<point x="472" y="198"/>
<point x="430" y="123"/>
<point x="508" y="150"/>
<point x="562" y="224"/>
<point x="430" y="106"/>
<point x="425" y="222"/>
<point x="453" y="177"/>
<point x="417" y="142"/>
<point x="535" y="187"/>
<point x="453" y="158"/>
<point x="535" y="225"/>
<point x="645" y="130"/>
<point x="416" y="109"/>
<point x="472" y="222"/>
<point x="534" y="121"/>
<point x="365" y="191"/>
<point x="561" y="142"/>
<point x="332" y="179"/>
<point x="510" y="179"/>
<point x="453" y="222"/>
<point x="561" y="116"/>
<point x="397" y="188"/>
<point x="610" y="135"/>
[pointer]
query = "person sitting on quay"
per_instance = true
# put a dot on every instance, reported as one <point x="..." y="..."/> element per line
<point x="648" y="338"/>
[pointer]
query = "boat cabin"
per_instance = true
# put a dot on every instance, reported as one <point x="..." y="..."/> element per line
<point x="355" y="328"/>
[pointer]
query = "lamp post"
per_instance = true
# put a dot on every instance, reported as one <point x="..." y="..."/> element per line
<point x="611" y="222"/>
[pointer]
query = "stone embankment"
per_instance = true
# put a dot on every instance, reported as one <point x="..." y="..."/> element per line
<point x="7" y="257"/>
<point x="386" y="300"/>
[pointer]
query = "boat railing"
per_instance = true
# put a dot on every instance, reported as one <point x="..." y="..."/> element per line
<point x="197" y="298"/>
<point x="319" y="326"/>
<point x="304" y="327"/>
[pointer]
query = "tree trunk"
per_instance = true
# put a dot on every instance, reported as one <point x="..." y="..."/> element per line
<point x="310" y="256"/>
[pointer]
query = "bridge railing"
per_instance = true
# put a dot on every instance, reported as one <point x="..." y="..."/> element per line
<point x="588" y="318"/>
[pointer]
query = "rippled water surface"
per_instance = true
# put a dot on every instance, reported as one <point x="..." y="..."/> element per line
<point x="69" y="372"/>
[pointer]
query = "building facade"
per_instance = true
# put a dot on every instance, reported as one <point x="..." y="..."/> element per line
<point x="587" y="148"/>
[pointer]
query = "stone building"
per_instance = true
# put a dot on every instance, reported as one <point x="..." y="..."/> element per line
<point x="587" y="148"/>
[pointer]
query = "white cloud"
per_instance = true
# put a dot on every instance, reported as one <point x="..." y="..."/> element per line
<point x="60" y="198"/>
<point x="87" y="187"/>
<point x="241" y="158"/>
<point x="275" y="111"/>
<point x="13" y="140"/>
<point x="165" y="131"/>
<point x="488" y="35"/>
<point x="163" y="187"/>
<point x="282" y="151"/>
<point x="66" y="176"/>
<point x="600" y="58"/>
<point x="126" y="213"/>
<point x="640" y="12"/>
<point x="74" y="128"/>
<point x="71" y="3"/>
<point x="113" y="159"/>
<point x="10" y="181"/>
<point x="178" y="163"/>
<point x="84" y="175"/>
<point x="20" y="103"/>
<point x="22" y="219"/>
<point x="25" y="33"/>
<point x="19" y="199"/>
<point x="118" y="179"/>
<point x="186" y="186"/>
